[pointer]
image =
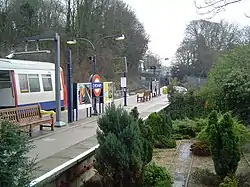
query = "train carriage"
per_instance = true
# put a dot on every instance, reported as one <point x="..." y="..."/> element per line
<point x="25" y="83"/>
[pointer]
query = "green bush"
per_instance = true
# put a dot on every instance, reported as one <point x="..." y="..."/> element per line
<point x="224" y="144"/>
<point x="134" y="112"/>
<point x="161" y="126"/>
<point x="185" y="127"/>
<point x="147" y="141"/>
<point x="200" y="149"/>
<point x="120" y="154"/>
<point x="178" y="136"/>
<point x="229" y="182"/>
<point x="163" y="142"/>
<point x="228" y="84"/>
<point x="187" y="105"/>
<point x="156" y="176"/>
<point x="241" y="131"/>
<point x="16" y="168"/>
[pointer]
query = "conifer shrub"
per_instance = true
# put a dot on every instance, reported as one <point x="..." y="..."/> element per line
<point x="224" y="144"/>
<point x="156" y="176"/>
<point x="241" y="131"/>
<point x="161" y="125"/>
<point x="120" y="154"/>
<point x="16" y="168"/>
<point x="147" y="141"/>
<point x="134" y="112"/>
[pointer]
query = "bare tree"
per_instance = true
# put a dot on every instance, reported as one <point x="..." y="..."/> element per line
<point x="203" y="42"/>
<point x="213" y="7"/>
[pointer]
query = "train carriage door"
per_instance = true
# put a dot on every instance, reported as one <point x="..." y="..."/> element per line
<point x="7" y="92"/>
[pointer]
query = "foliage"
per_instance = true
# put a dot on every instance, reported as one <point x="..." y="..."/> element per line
<point x="120" y="154"/>
<point x="156" y="176"/>
<point x="201" y="148"/>
<point x="228" y="85"/>
<point x="187" y="105"/>
<point x="229" y="182"/>
<point x="203" y="42"/>
<point x="16" y="168"/>
<point x="147" y="141"/>
<point x="163" y="142"/>
<point x="205" y="177"/>
<point x="240" y="130"/>
<point x="161" y="125"/>
<point x="224" y="144"/>
<point x="185" y="128"/>
<point x="134" y="112"/>
<point x="91" y="19"/>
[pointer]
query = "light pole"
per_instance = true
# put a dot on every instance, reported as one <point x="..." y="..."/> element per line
<point x="160" y="75"/>
<point x="124" y="79"/>
<point x="56" y="39"/>
<point x="72" y="42"/>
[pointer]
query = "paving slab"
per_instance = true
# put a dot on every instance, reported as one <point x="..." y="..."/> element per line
<point x="57" y="148"/>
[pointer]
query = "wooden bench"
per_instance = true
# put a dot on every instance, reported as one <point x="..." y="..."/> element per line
<point x="144" y="96"/>
<point x="27" y="117"/>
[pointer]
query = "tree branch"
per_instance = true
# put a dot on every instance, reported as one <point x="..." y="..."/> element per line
<point x="213" y="6"/>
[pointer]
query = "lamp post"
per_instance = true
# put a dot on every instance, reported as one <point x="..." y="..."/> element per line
<point x="72" y="42"/>
<point x="124" y="80"/>
<point x="55" y="37"/>
<point x="160" y="75"/>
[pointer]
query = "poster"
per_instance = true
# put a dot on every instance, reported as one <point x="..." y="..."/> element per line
<point x="108" y="92"/>
<point x="84" y="95"/>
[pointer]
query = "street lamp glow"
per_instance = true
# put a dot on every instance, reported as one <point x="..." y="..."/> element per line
<point x="71" y="42"/>
<point x="122" y="37"/>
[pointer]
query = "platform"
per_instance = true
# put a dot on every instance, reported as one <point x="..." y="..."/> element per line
<point x="62" y="145"/>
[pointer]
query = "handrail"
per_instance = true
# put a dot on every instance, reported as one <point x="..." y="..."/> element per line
<point x="52" y="174"/>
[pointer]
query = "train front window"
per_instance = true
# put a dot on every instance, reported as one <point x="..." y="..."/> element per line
<point x="4" y="75"/>
<point x="34" y="83"/>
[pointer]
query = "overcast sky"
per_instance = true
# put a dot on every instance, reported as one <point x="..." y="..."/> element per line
<point x="165" y="21"/>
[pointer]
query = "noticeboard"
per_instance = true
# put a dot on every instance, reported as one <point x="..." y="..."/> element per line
<point x="108" y="92"/>
<point x="84" y="95"/>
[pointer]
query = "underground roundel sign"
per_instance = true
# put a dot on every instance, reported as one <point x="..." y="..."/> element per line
<point x="96" y="85"/>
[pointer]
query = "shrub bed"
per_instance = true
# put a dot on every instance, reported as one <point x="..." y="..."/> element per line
<point x="126" y="148"/>
<point x="200" y="149"/>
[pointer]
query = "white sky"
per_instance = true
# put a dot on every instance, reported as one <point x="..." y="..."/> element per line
<point x="166" y="20"/>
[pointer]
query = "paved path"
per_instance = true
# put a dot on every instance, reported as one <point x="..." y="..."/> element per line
<point x="56" y="148"/>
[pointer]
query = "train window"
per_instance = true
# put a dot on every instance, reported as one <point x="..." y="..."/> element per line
<point x="34" y="84"/>
<point x="4" y="75"/>
<point x="23" y="81"/>
<point x="47" y="83"/>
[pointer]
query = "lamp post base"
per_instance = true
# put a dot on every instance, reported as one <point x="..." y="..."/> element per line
<point x="60" y="124"/>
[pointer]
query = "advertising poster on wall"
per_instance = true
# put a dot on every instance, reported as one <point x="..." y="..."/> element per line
<point x="84" y="95"/>
<point x="108" y="92"/>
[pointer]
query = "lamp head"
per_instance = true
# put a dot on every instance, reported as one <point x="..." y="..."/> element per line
<point x="10" y="56"/>
<point x="121" y="37"/>
<point x="71" y="42"/>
